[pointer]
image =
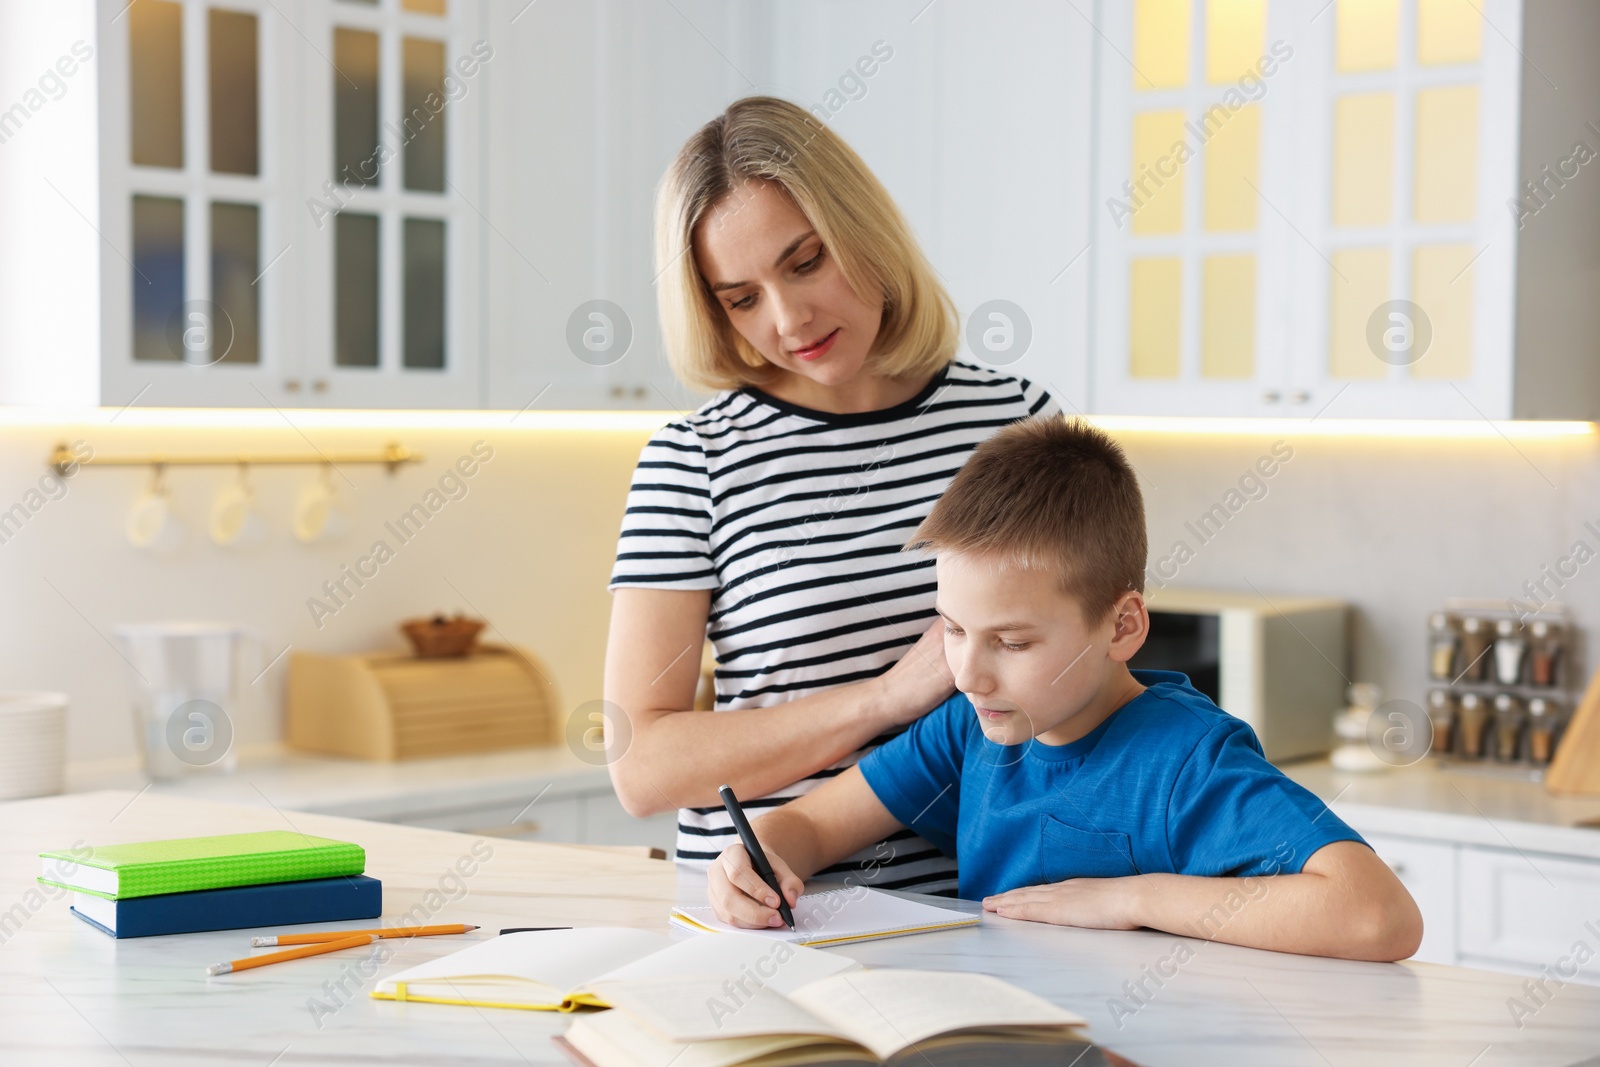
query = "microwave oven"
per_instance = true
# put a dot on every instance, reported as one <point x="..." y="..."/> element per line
<point x="1281" y="665"/>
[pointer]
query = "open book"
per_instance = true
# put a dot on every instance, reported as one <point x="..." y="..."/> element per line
<point x="837" y="916"/>
<point x="557" y="970"/>
<point x="865" y="1016"/>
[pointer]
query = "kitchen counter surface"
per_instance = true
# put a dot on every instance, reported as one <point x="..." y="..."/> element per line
<point x="69" y="994"/>
<point x="278" y="776"/>
<point x="1460" y="804"/>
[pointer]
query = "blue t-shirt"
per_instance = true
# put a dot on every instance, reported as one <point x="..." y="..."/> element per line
<point x="1169" y="783"/>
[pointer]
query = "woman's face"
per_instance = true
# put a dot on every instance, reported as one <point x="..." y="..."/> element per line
<point x="782" y="290"/>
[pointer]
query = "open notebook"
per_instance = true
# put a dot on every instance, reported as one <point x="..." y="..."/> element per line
<point x="556" y="970"/>
<point x="837" y="916"/>
<point x="866" y="1016"/>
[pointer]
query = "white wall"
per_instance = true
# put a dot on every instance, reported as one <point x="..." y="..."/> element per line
<point x="49" y="205"/>
<point x="528" y="547"/>
<point x="1393" y="525"/>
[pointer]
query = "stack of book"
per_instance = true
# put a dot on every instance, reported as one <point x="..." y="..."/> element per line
<point x="190" y="884"/>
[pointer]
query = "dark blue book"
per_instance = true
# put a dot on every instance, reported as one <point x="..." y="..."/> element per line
<point x="318" y="900"/>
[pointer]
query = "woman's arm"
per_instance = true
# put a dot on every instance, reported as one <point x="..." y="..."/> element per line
<point x="1345" y="902"/>
<point x="666" y="756"/>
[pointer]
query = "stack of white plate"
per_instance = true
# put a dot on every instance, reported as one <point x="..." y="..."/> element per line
<point x="33" y="744"/>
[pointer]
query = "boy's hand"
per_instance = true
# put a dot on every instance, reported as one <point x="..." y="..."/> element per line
<point x="739" y="896"/>
<point x="1097" y="903"/>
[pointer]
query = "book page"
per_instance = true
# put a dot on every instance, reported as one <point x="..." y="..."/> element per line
<point x="748" y="962"/>
<point x="613" y="1039"/>
<point x="889" y="1010"/>
<point x="855" y="913"/>
<point x="556" y="960"/>
<point x="705" y="1009"/>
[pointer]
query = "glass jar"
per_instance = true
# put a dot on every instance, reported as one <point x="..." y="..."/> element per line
<point x="1509" y="718"/>
<point x="1545" y="647"/>
<point x="1510" y="651"/>
<point x="1442" y="714"/>
<point x="1476" y="637"/>
<point x="1443" y="641"/>
<point x="1473" y="722"/>
<point x="1544" y="724"/>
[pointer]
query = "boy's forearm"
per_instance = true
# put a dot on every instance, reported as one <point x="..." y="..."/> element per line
<point x="790" y="833"/>
<point x="1303" y="913"/>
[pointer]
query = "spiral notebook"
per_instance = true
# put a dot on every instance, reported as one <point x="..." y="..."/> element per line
<point x="839" y="916"/>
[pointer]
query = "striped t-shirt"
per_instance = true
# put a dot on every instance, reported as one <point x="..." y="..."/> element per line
<point x="795" y="519"/>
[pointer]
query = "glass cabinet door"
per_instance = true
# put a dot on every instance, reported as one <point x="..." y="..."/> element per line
<point x="395" y="210"/>
<point x="1301" y="207"/>
<point x="190" y="172"/>
<point x="1410" y="145"/>
<point x="294" y="185"/>
<point x="1193" y="175"/>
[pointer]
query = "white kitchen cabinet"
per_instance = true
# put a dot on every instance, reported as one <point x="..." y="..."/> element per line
<point x="592" y="817"/>
<point x="1530" y="910"/>
<point x="1310" y="208"/>
<point x="228" y="261"/>
<point x="591" y="102"/>
<point x="1503" y="909"/>
<point x="595" y="99"/>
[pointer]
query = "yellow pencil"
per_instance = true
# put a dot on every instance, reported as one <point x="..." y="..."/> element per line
<point x="291" y="954"/>
<point x="320" y="936"/>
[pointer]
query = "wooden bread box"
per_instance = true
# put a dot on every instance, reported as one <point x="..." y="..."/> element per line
<point x="398" y="706"/>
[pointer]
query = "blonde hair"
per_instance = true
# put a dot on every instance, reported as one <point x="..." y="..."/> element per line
<point x="762" y="138"/>
<point x="1054" y="495"/>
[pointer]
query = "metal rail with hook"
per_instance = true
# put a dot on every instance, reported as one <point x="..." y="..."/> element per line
<point x="393" y="455"/>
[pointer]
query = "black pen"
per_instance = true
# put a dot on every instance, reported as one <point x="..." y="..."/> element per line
<point x="758" y="858"/>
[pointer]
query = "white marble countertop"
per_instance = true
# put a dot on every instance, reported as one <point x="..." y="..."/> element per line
<point x="1456" y="804"/>
<point x="69" y="994"/>
<point x="275" y="774"/>
<point x="1460" y="805"/>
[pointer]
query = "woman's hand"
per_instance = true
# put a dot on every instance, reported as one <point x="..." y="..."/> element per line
<point x="739" y="896"/>
<point x="920" y="682"/>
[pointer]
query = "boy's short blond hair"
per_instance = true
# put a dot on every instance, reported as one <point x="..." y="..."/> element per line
<point x="765" y="139"/>
<point x="1049" y="494"/>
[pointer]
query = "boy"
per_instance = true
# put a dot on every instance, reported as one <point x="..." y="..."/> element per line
<point x="1071" y="789"/>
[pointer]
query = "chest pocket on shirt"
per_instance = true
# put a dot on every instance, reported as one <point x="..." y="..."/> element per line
<point x="1068" y="852"/>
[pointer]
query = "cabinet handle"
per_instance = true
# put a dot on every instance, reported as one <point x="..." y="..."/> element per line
<point x="616" y="392"/>
<point x="319" y="386"/>
<point x="1271" y="396"/>
<point x="638" y="392"/>
<point x="291" y="385"/>
<point x="1397" y="867"/>
<point x="1300" y="396"/>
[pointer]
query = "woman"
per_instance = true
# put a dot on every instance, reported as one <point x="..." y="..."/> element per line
<point x="771" y="519"/>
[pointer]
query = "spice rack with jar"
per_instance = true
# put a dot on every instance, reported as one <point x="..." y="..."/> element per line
<point x="1499" y="684"/>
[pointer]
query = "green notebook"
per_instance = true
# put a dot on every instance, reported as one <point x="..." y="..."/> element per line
<point x="184" y="864"/>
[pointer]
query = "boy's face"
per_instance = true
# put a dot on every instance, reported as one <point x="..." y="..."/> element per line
<point x="1023" y="653"/>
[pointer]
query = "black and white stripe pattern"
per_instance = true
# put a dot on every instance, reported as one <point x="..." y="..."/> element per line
<point x="795" y="519"/>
